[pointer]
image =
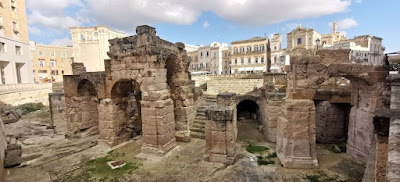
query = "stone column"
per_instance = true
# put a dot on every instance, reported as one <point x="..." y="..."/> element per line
<point x="273" y="111"/>
<point x="381" y="127"/>
<point x="393" y="165"/>
<point x="296" y="142"/>
<point x="220" y="135"/>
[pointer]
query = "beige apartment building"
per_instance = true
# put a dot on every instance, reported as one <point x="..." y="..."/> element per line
<point x="208" y="60"/>
<point x="50" y="63"/>
<point x="278" y="55"/>
<point x="91" y="45"/>
<point x="15" y="58"/>
<point x="333" y="37"/>
<point x="249" y="56"/>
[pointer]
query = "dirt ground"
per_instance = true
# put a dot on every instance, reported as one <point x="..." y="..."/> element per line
<point x="48" y="156"/>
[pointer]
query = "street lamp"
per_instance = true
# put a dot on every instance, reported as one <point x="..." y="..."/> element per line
<point x="318" y="41"/>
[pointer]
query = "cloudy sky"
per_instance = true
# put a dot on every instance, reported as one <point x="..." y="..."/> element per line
<point x="200" y="22"/>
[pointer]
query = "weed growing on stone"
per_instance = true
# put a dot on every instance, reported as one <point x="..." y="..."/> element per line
<point x="256" y="149"/>
<point x="320" y="176"/>
<point x="31" y="107"/>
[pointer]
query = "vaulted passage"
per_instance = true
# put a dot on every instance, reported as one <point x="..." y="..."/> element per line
<point x="248" y="124"/>
<point x="247" y="109"/>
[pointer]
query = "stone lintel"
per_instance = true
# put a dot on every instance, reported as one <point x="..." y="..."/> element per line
<point x="219" y="113"/>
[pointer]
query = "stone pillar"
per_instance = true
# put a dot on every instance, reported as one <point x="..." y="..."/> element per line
<point x="296" y="142"/>
<point x="381" y="127"/>
<point x="220" y="135"/>
<point x="393" y="165"/>
<point x="273" y="111"/>
<point x="78" y="68"/>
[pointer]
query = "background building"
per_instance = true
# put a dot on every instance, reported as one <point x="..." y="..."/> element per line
<point x="333" y="37"/>
<point x="364" y="49"/>
<point x="278" y="55"/>
<point x="15" y="59"/>
<point x="249" y="56"/>
<point x="50" y="63"/>
<point x="302" y="37"/>
<point x="208" y="59"/>
<point x="91" y="45"/>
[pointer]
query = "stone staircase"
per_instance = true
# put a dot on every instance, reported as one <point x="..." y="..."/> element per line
<point x="198" y="128"/>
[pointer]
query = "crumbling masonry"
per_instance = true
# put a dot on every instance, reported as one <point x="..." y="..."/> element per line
<point x="145" y="90"/>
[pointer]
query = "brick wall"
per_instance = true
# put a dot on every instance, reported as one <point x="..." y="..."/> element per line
<point x="238" y="86"/>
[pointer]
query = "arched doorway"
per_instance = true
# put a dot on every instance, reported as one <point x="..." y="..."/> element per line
<point x="86" y="110"/>
<point x="126" y="96"/>
<point x="248" y="124"/>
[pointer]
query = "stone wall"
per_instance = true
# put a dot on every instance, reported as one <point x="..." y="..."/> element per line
<point x="3" y="147"/>
<point x="331" y="122"/>
<point x="239" y="86"/>
<point x="21" y="93"/>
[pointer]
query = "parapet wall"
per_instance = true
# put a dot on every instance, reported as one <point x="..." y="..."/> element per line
<point x="238" y="86"/>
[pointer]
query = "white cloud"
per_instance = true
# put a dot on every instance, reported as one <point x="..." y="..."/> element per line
<point x="50" y="13"/>
<point x="34" y="30"/>
<point x="206" y="24"/>
<point x="185" y="12"/>
<point x="346" y="23"/>
<point x="62" y="42"/>
<point x="55" y="22"/>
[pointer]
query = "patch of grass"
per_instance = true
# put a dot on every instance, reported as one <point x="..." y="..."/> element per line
<point x="31" y="107"/>
<point x="256" y="149"/>
<point x="273" y="155"/>
<point x="264" y="160"/>
<point x="98" y="169"/>
<point x="320" y="176"/>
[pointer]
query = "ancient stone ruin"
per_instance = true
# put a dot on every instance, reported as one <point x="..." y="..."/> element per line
<point x="145" y="90"/>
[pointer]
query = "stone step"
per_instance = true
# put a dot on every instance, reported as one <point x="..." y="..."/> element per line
<point x="198" y="130"/>
<point x="198" y="125"/>
<point x="199" y="121"/>
<point x="200" y="117"/>
<point x="197" y="135"/>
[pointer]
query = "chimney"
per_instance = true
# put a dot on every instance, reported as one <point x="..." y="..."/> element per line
<point x="334" y="27"/>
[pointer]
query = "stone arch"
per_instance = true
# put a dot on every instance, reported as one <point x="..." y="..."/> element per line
<point x="84" y="119"/>
<point x="124" y="122"/>
<point x="86" y="88"/>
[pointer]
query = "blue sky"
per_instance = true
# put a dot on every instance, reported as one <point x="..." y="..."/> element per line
<point x="200" y="22"/>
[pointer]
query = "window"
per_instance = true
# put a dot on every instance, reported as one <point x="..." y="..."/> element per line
<point x="249" y="60"/>
<point x="235" y="61"/>
<point x="262" y="59"/>
<point x="299" y="41"/>
<point x="274" y="47"/>
<point x="52" y="63"/>
<point x="42" y="71"/>
<point x="54" y="72"/>
<point x="40" y="53"/>
<point x="18" y="50"/>
<point x="201" y="54"/>
<point x="249" y="49"/>
<point x="82" y="38"/>
<point x="215" y="54"/>
<point x="53" y="54"/>
<point x="13" y="6"/>
<point x="15" y="28"/>
<point x="255" y="48"/>
<point x="207" y="53"/>
<point x="195" y="58"/>
<point x="235" y="50"/>
<point x="63" y="55"/>
<point x="242" y="61"/>
<point x="2" y="47"/>
<point x="262" y="48"/>
<point x="41" y="63"/>
<point x="256" y="60"/>
<point x="242" y="50"/>
<point x="226" y="55"/>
